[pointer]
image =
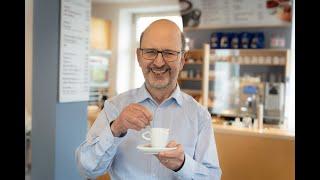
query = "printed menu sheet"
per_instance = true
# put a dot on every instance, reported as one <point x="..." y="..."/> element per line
<point x="74" y="50"/>
<point x="234" y="12"/>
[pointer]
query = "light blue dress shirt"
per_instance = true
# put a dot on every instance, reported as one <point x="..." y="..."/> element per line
<point x="190" y="125"/>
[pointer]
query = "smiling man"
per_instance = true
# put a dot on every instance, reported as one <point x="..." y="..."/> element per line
<point x="111" y="142"/>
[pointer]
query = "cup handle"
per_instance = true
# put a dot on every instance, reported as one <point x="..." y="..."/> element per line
<point x="145" y="137"/>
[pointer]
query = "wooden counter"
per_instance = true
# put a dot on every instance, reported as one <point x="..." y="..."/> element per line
<point x="266" y="132"/>
<point x="248" y="154"/>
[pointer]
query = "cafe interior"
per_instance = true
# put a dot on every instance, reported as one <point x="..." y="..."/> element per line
<point x="240" y="67"/>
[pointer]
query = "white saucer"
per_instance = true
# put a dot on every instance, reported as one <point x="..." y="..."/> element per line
<point x="147" y="149"/>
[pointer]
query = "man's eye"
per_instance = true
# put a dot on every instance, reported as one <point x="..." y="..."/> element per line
<point x="150" y="51"/>
<point x="169" y="53"/>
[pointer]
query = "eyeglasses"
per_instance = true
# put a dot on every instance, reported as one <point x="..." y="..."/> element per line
<point x="167" y="55"/>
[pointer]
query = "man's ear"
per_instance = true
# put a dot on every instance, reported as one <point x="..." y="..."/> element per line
<point x="183" y="59"/>
<point x="138" y="56"/>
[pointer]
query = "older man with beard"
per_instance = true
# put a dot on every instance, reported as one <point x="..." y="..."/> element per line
<point x="112" y="140"/>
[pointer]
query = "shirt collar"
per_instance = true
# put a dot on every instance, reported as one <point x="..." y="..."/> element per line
<point x="144" y="94"/>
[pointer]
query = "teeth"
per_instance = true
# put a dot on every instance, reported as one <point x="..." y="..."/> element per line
<point x="158" y="71"/>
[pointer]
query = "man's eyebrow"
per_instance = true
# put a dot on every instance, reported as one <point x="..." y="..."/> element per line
<point x="170" y="50"/>
<point x="149" y="48"/>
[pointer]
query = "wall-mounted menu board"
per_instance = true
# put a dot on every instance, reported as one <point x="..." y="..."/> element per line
<point x="74" y="50"/>
<point x="242" y="12"/>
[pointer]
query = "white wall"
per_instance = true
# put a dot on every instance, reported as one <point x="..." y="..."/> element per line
<point x="28" y="56"/>
<point x="290" y="91"/>
<point x="121" y="14"/>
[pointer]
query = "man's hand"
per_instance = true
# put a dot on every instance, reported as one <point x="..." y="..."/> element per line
<point x="172" y="159"/>
<point x="134" y="116"/>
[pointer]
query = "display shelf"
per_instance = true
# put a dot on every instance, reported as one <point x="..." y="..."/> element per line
<point x="194" y="79"/>
<point x="193" y="63"/>
<point x="220" y="27"/>
<point x="250" y="52"/>
<point x="195" y="92"/>
<point x="250" y="64"/>
<point x="192" y="91"/>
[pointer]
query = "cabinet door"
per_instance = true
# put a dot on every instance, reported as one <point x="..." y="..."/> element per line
<point x="100" y="35"/>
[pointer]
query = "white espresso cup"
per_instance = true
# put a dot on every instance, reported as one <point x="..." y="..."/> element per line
<point x="158" y="137"/>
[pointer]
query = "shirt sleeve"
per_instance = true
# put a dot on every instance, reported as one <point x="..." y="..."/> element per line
<point x="95" y="155"/>
<point x="204" y="164"/>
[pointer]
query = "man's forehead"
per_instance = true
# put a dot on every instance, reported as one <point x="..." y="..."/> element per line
<point x="162" y="31"/>
<point x="162" y="25"/>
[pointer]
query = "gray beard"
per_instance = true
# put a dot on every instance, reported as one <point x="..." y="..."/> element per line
<point x="159" y="86"/>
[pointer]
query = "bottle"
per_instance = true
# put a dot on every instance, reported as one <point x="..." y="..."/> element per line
<point x="273" y="41"/>
<point x="281" y="41"/>
<point x="255" y="123"/>
<point x="244" y="40"/>
<point x="260" y="116"/>
<point x="234" y="41"/>
<point x="261" y="60"/>
<point x="237" y="122"/>
<point x="247" y="122"/>
<point x="224" y="41"/>
<point x="275" y="60"/>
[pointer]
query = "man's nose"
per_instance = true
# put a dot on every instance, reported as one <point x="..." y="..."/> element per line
<point x="159" y="61"/>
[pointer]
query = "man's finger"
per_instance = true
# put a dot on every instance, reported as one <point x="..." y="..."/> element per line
<point x="144" y="110"/>
<point x="143" y="118"/>
<point x="138" y="122"/>
<point x="172" y="153"/>
<point x="132" y="125"/>
<point x="169" y="154"/>
<point x="133" y="118"/>
<point x="172" y="144"/>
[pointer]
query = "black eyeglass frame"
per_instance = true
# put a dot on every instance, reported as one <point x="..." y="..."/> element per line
<point x="166" y="50"/>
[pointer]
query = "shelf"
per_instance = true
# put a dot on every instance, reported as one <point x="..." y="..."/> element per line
<point x="261" y="64"/>
<point x="195" y="50"/>
<point x="249" y="52"/>
<point x="234" y="115"/>
<point x="192" y="91"/>
<point x="191" y="63"/>
<point x="190" y="79"/>
<point x="220" y="27"/>
<point x="246" y="64"/>
<point x="194" y="79"/>
<point x="195" y="91"/>
<point x="262" y="49"/>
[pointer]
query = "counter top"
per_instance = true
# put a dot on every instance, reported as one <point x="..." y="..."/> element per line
<point x="266" y="132"/>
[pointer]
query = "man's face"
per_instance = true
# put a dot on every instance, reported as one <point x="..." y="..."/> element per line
<point x="159" y="73"/>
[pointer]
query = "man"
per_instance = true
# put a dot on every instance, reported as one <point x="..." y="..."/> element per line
<point x="112" y="140"/>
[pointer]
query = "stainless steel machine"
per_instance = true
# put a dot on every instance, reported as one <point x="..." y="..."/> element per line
<point x="274" y="103"/>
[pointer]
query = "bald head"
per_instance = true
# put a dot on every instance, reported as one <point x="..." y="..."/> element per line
<point x="163" y="28"/>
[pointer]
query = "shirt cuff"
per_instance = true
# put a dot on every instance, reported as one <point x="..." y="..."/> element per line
<point x="186" y="172"/>
<point x="122" y="134"/>
<point x="107" y="142"/>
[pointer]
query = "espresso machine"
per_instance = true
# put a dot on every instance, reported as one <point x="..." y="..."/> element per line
<point x="274" y="102"/>
<point x="251" y="95"/>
